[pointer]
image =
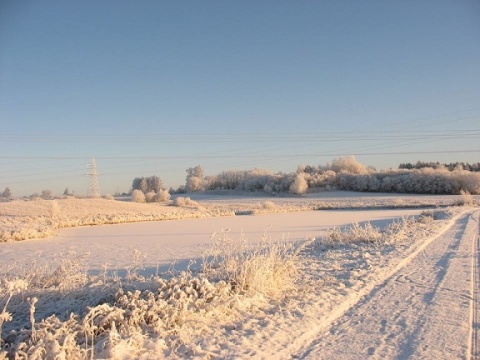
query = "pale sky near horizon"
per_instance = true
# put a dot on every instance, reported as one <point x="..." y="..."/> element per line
<point x="156" y="87"/>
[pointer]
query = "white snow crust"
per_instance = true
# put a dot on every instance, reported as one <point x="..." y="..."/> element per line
<point x="400" y="285"/>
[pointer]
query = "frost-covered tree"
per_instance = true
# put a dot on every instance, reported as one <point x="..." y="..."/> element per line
<point x="147" y="184"/>
<point x="143" y="185"/>
<point x="194" y="181"/>
<point x="136" y="183"/>
<point x="347" y="164"/>
<point x="154" y="184"/>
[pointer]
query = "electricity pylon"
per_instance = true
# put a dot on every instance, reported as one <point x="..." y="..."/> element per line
<point x="93" y="189"/>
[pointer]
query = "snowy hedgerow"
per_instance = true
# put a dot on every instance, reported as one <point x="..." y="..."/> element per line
<point x="138" y="196"/>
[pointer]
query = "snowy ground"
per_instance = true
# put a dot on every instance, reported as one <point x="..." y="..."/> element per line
<point x="24" y="219"/>
<point x="164" y="243"/>
<point x="422" y="311"/>
<point x="404" y="292"/>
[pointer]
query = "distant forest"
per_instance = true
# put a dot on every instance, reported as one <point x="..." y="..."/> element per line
<point x="436" y="165"/>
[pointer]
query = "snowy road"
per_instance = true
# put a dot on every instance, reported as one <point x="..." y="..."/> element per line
<point x="426" y="310"/>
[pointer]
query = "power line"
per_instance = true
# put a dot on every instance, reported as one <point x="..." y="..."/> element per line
<point x="237" y="156"/>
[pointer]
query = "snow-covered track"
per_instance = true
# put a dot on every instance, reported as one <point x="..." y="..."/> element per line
<point x="425" y="309"/>
<point x="475" y="291"/>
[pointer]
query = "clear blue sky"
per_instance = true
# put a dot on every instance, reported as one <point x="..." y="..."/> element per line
<point x="155" y="87"/>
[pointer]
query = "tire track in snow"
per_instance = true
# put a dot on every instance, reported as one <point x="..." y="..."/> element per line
<point x="475" y="291"/>
<point x="422" y="311"/>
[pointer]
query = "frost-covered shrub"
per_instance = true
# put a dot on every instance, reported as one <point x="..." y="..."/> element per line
<point x="356" y="232"/>
<point x="150" y="196"/>
<point x="184" y="201"/>
<point x="162" y="196"/>
<point x="300" y="185"/>
<point x="108" y="197"/>
<point x="466" y="198"/>
<point x="138" y="196"/>
<point x="268" y="205"/>
<point x="468" y="181"/>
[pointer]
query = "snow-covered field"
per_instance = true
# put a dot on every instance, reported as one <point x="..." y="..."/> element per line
<point x="282" y="280"/>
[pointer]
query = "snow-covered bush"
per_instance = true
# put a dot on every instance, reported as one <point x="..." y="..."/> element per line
<point x="108" y="197"/>
<point x="162" y="196"/>
<point x="184" y="201"/>
<point x="468" y="181"/>
<point x="300" y="185"/>
<point x="466" y="198"/>
<point x="138" y="196"/>
<point x="150" y="196"/>
<point x="268" y="205"/>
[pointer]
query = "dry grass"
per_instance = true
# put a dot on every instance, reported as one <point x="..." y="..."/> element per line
<point x="368" y="234"/>
<point x="58" y="311"/>
<point x="269" y="267"/>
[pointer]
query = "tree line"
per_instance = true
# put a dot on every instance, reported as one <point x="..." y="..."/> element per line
<point x="475" y="167"/>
